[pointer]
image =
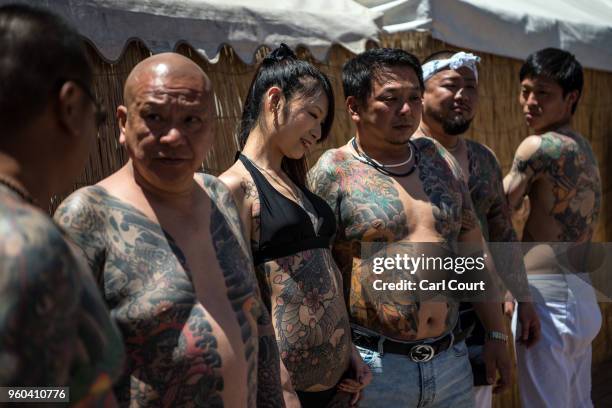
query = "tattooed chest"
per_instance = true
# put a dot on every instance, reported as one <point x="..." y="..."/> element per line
<point x="177" y="349"/>
<point x="444" y="191"/>
<point x="145" y="268"/>
<point x="371" y="209"/>
<point x="379" y="209"/>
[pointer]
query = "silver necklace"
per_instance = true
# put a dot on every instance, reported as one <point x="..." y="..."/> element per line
<point x="364" y="158"/>
<point x="382" y="164"/>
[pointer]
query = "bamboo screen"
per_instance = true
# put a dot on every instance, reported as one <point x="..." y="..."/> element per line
<point x="499" y="123"/>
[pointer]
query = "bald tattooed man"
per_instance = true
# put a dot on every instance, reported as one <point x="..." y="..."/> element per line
<point x="166" y="247"/>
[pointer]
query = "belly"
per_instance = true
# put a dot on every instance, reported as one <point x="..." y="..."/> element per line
<point x="432" y="319"/>
<point x="179" y="354"/>
<point x="310" y="318"/>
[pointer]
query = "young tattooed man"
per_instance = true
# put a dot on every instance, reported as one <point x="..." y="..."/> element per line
<point x="385" y="188"/>
<point x="556" y="168"/>
<point x="166" y="246"/>
<point x="55" y="329"/>
<point x="450" y="101"/>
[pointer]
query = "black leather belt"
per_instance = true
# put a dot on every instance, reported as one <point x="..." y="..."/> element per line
<point x="419" y="351"/>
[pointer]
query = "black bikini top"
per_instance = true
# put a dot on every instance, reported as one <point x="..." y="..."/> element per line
<point x="285" y="227"/>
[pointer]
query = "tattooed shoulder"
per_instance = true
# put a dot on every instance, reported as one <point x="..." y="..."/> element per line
<point x="325" y="169"/>
<point x="248" y="189"/>
<point x="327" y="176"/>
<point x="572" y="170"/>
<point x="482" y="153"/>
<point x="81" y="215"/>
<point x="529" y="156"/>
<point x="224" y="204"/>
<point x="48" y="301"/>
<point x="442" y="180"/>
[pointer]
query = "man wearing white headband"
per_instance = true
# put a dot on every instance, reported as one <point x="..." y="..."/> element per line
<point x="449" y="105"/>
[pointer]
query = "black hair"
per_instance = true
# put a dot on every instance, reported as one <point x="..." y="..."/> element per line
<point x="294" y="77"/>
<point x="38" y="50"/>
<point x="359" y="71"/>
<point x="558" y="65"/>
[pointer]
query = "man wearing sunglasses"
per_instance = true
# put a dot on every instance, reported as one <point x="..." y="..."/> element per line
<point x="54" y="326"/>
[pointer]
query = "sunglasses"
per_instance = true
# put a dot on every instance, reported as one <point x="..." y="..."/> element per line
<point x="99" y="111"/>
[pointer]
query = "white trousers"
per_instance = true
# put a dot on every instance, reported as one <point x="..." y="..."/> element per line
<point x="556" y="372"/>
<point x="483" y="395"/>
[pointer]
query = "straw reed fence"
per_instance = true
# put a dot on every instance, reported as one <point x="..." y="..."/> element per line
<point x="499" y="123"/>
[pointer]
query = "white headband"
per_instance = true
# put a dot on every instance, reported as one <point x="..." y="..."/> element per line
<point x="458" y="60"/>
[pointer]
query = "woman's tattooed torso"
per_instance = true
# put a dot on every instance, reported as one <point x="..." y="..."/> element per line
<point x="180" y="352"/>
<point x="55" y="329"/>
<point x="303" y="292"/>
<point x="564" y="189"/>
<point x="432" y="205"/>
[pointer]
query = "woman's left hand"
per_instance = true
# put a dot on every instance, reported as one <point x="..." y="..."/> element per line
<point x="362" y="377"/>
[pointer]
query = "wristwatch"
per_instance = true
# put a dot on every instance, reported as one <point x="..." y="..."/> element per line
<point x="497" y="336"/>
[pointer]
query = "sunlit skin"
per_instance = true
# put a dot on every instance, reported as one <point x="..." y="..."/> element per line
<point x="290" y="128"/>
<point x="450" y="95"/>
<point x="555" y="167"/>
<point x="390" y="116"/>
<point x="176" y="271"/>
<point x="167" y="124"/>
<point x="300" y="128"/>
<point x="286" y="129"/>
<point x="376" y="207"/>
<point x="544" y="106"/>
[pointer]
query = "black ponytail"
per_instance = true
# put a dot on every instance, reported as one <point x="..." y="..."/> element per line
<point x="293" y="76"/>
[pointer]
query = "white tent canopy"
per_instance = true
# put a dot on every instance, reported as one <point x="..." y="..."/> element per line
<point x="206" y="25"/>
<point x="511" y="28"/>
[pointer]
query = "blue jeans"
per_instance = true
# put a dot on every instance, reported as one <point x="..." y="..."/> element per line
<point x="444" y="381"/>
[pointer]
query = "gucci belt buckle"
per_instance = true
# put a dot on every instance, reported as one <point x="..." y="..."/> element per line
<point x="421" y="353"/>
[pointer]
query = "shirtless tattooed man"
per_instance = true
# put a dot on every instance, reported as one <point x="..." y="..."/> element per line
<point x="557" y="169"/>
<point x="55" y="330"/>
<point x="450" y="101"/>
<point x="385" y="188"/>
<point x="166" y="246"/>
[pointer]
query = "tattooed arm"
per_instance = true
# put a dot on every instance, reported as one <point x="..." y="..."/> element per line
<point x="495" y="354"/>
<point x="79" y="216"/>
<point x="323" y="181"/>
<point x="508" y="256"/>
<point x="526" y="168"/>
<point x="44" y="334"/>
<point x="274" y="382"/>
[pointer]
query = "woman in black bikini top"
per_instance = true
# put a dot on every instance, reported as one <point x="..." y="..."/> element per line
<point x="288" y="109"/>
